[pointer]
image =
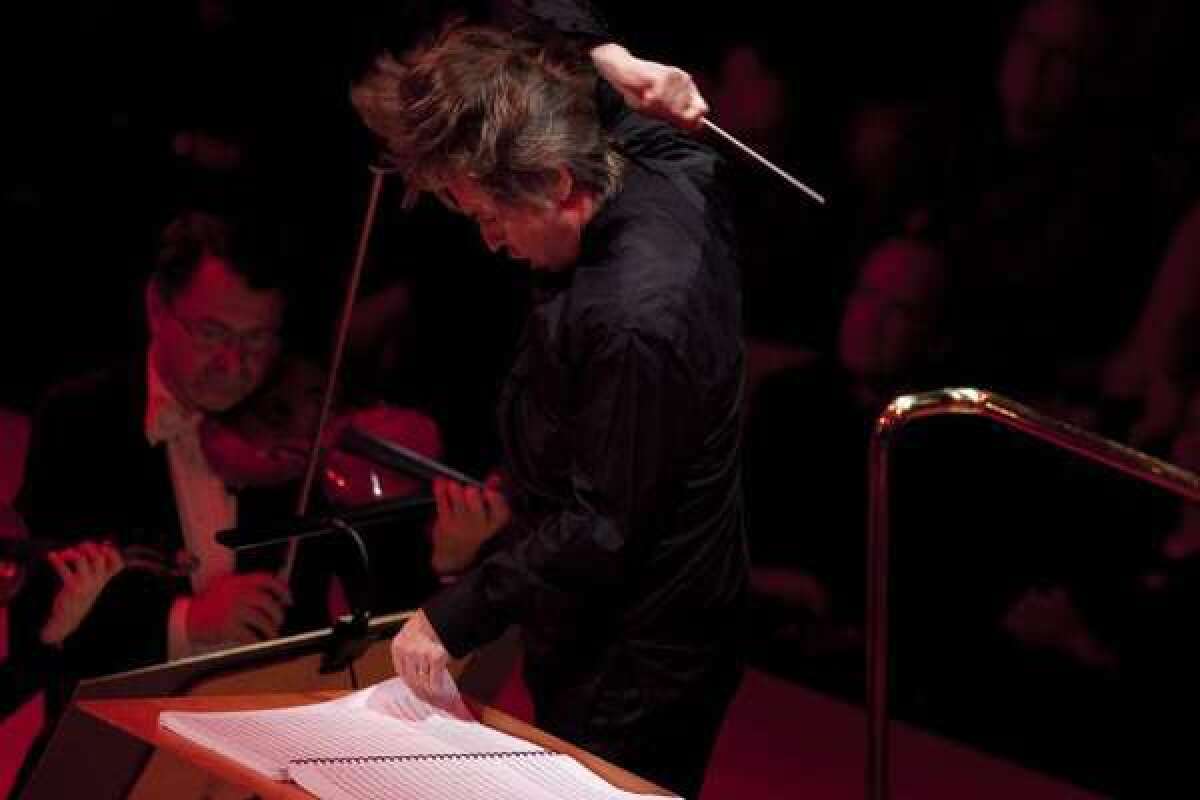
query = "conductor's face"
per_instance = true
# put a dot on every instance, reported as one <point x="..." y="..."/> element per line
<point x="546" y="237"/>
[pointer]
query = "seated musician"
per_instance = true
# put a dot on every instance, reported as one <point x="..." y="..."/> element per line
<point x="118" y="455"/>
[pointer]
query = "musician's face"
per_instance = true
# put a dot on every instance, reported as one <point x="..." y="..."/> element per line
<point x="890" y="319"/>
<point x="546" y="238"/>
<point x="214" y="342"/>
<point x="1044" y="68"/>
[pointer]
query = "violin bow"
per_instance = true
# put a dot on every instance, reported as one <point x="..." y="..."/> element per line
<point x="339" y="347"/>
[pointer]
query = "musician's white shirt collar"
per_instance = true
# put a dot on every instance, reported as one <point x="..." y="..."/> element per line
<point x="205" y="504"/>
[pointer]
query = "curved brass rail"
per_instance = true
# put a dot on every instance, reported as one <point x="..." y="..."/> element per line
<point x="976" y="402"/>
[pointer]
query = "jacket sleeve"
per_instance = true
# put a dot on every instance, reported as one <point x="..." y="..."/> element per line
<point x="627" y="436"/>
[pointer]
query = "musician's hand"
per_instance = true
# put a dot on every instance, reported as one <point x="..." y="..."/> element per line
<point x="466" y="518"/>
<point x="238" y="608"/>
<point x="84" y="570"/>
<point x="1048" y="619"/>
<point x="1043" y="617"/>
<point x="655" y="89"/>
<point x="418" y="655"/>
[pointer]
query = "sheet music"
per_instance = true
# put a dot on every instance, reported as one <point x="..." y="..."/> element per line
<point x="385" y="720"/>
<point x="395" y="698"/>
<point x="566" y="777"/>
<point x="512" y="777"/>
<point x="387" y="741"/>
<point x="267" y="740"/>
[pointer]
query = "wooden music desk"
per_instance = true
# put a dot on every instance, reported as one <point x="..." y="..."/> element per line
<point x="139" y="718"/>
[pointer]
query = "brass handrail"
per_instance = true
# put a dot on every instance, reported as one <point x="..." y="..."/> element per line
<point x="976" y="402"/>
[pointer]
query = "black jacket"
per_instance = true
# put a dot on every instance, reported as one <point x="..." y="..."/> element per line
<point x="621" y="420"/>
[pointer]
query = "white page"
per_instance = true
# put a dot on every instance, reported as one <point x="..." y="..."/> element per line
<point x="566" y="777"/>
<point x="384" y="720"/>
<point x="267" y="740"/>
<point x="513" y="777"/>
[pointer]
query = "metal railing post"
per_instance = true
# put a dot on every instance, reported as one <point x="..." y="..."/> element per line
<point x="1012" y="415"/>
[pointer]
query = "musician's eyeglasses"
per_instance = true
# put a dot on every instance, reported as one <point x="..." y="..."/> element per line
<point x="211" y="335"/>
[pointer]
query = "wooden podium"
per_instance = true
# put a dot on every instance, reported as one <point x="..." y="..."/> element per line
<point x="139" y="718"/>
<point x="108" y="746"/>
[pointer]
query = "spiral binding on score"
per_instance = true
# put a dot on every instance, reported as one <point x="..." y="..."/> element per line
<point x="427" y="757"/>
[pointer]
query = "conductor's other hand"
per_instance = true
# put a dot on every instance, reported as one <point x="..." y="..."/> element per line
<point x="238" y="608"/>
<point x="418" y="655"/>
<point x="466" y="518"/>
<point x="655" y="89"/>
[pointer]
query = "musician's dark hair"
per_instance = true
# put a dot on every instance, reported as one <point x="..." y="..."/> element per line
<point x="259" y="250"/>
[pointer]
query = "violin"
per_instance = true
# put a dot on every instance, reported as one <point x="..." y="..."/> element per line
<point x="264" y="442"/>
